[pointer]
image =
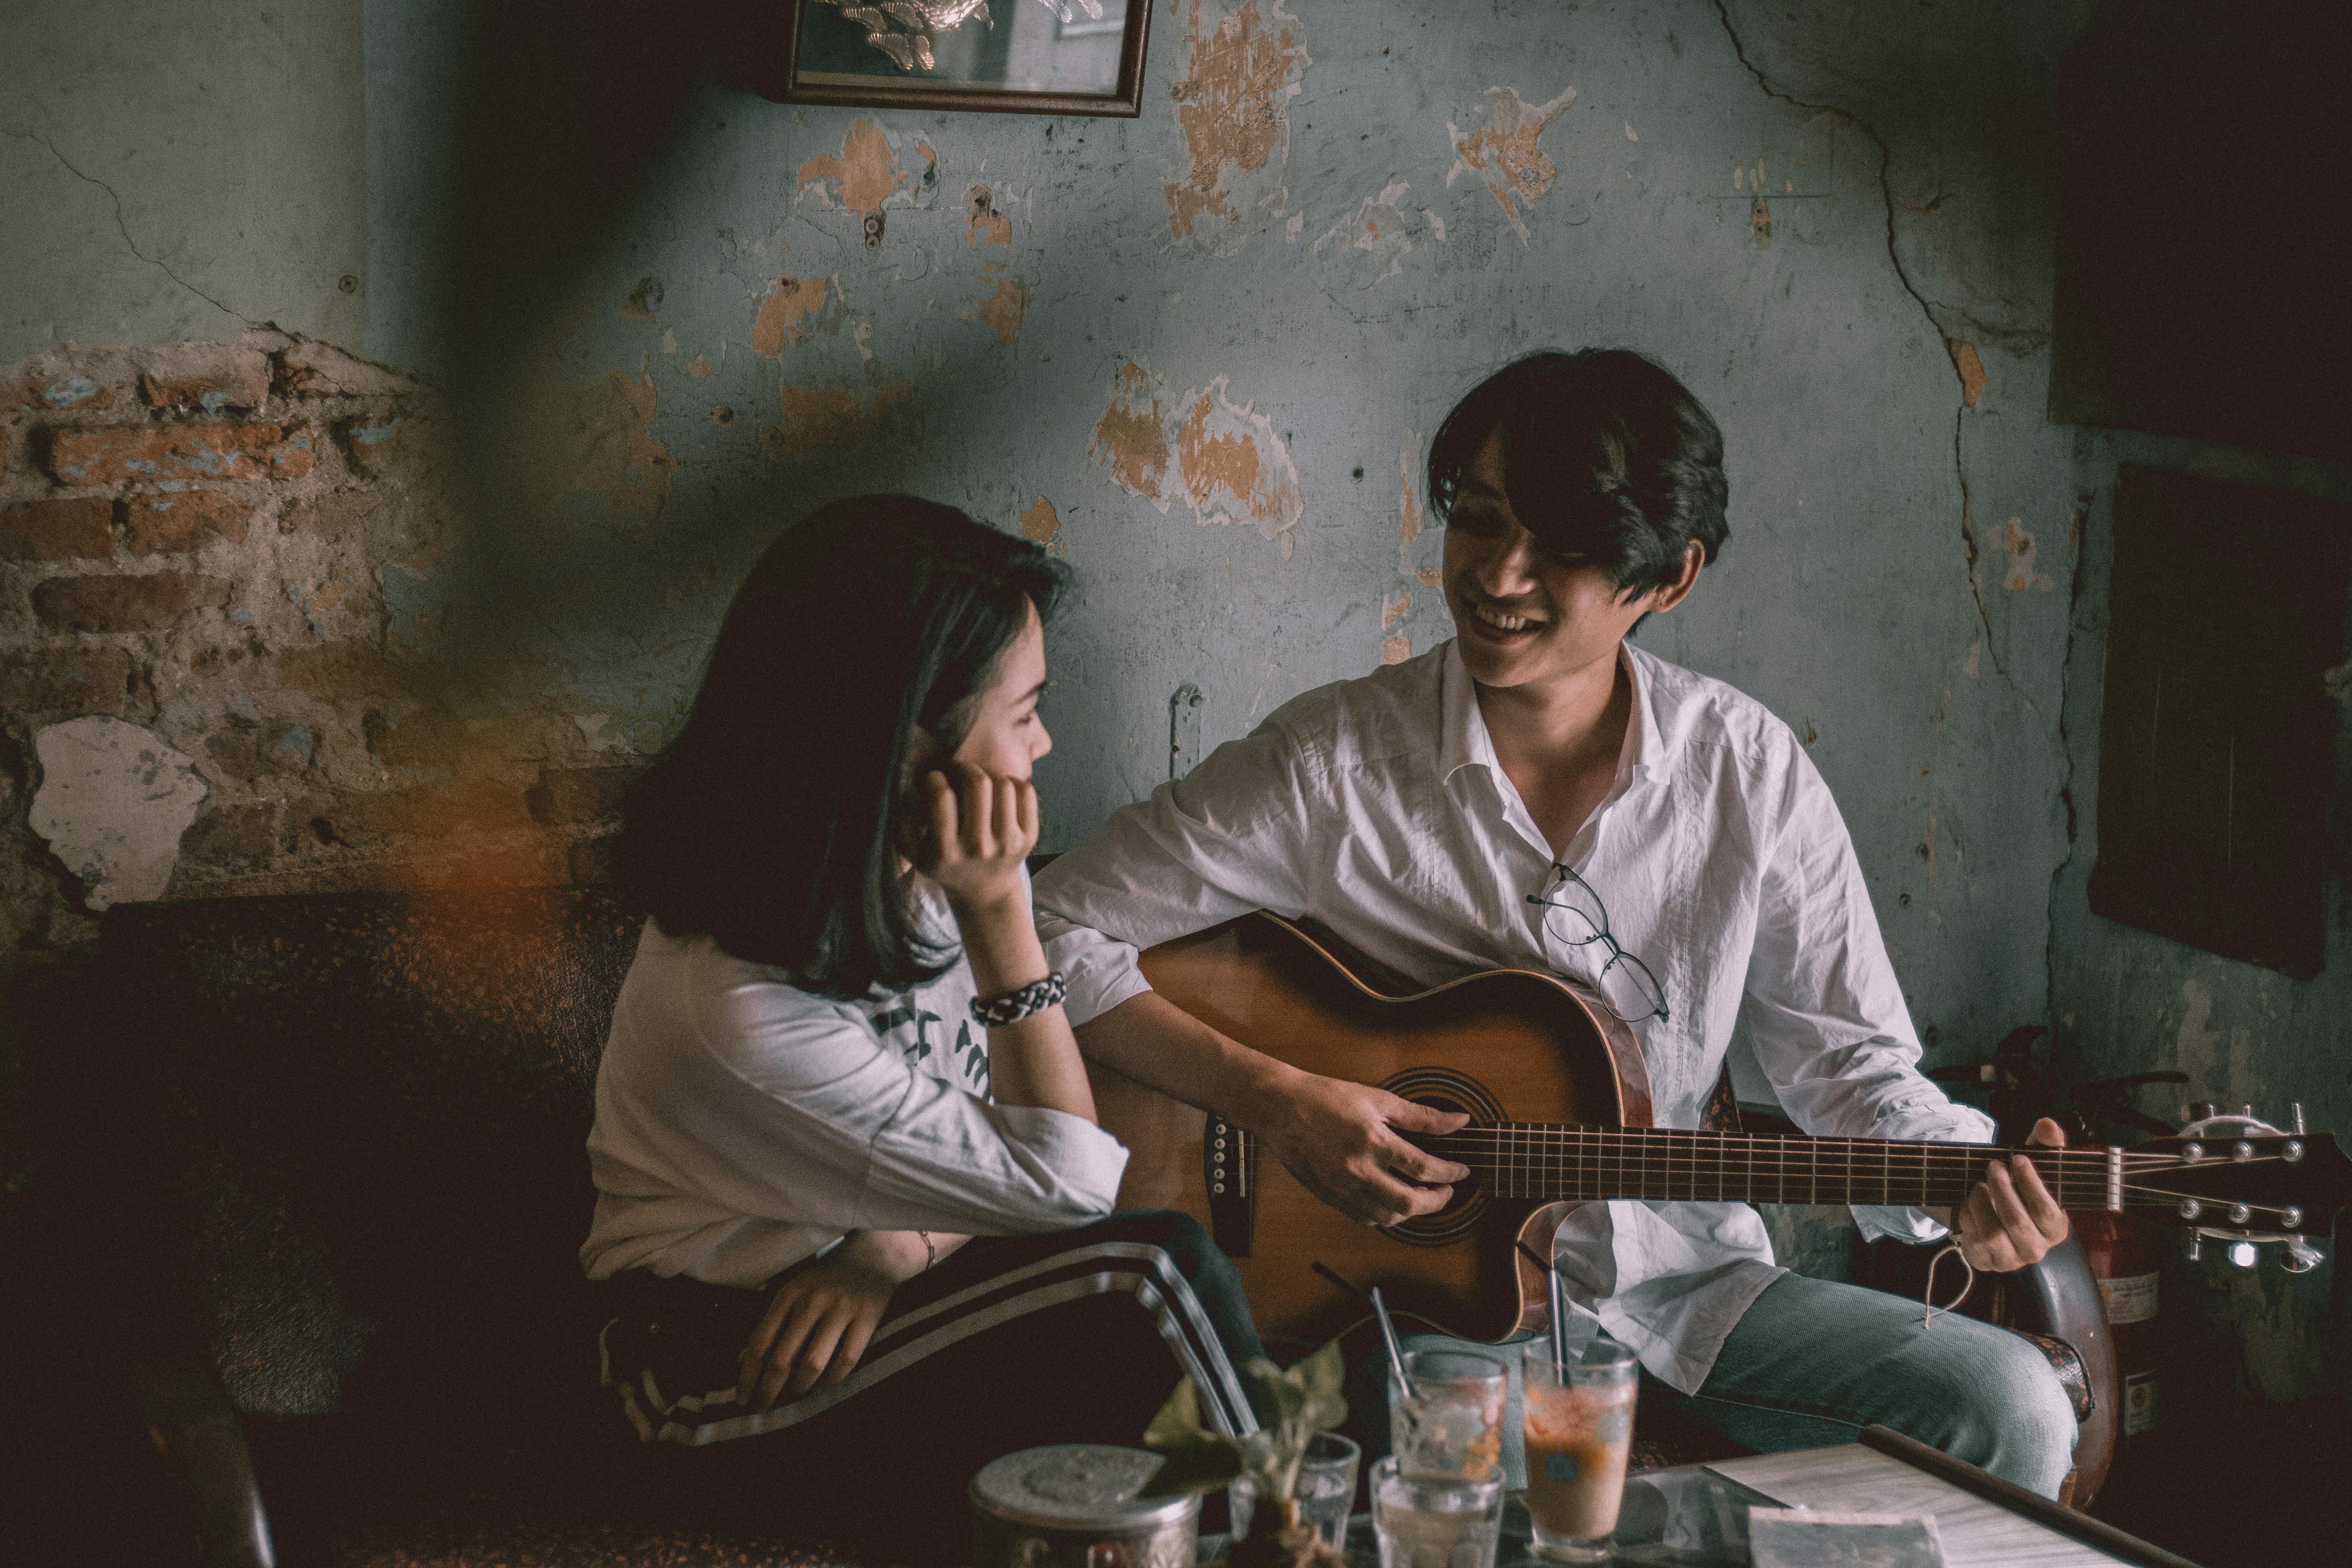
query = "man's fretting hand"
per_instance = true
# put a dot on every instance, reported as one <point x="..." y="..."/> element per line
<point x="2010" y="1219"/>
<point x="1342" y="1141"/>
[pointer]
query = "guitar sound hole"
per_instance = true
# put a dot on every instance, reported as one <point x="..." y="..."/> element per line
<point x="1465" y="1193"/>
<point x="1442" y="1088"/>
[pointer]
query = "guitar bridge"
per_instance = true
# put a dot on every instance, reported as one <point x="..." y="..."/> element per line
<point x="1229" y="1165"/>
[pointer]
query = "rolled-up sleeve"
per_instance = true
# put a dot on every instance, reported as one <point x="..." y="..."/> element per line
<point x="836" y="1129"/>
<point x="1231" y="837"/>
<point x="1825" y="1008"/>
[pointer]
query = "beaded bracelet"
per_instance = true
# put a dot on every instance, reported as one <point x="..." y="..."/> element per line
<point x="1015" y="1006"/>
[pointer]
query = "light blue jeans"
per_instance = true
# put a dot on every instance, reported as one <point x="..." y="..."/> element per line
<point x="1813" y="1361"/>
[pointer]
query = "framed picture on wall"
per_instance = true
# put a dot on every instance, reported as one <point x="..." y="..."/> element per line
<point x="1005" y="56"/>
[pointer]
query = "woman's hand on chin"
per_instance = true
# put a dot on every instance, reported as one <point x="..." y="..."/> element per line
<point x="982" y="829"/>
<point x="820" y="1320"/>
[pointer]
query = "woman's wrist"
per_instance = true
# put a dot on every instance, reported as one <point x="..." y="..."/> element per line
<point x="1001" y="941"/>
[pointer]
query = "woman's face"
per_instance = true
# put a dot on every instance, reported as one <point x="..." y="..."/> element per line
<point x="1007" y="736"/>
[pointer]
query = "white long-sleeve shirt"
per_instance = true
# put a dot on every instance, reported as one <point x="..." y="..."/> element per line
<point x="1379" y="808"/>
<point x="743" y="1124"/>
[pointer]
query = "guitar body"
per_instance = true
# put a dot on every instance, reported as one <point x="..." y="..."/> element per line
<point x="1506" y="1044"/>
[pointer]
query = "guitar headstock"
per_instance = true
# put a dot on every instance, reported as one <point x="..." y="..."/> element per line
<point x="2240" y="1181"/>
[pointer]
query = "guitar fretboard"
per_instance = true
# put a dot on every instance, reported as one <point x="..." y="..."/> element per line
<point x="1550" y="1162"/>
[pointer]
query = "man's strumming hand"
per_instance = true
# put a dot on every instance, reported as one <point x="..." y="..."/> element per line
<point x="1344" y="1142"/>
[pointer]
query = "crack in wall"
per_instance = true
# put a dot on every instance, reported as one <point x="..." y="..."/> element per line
<point x="1903" y="277"/>
<point x="2078" y="523"/>
<point x="123" y="228"/>
<point x="2078" y="528"/>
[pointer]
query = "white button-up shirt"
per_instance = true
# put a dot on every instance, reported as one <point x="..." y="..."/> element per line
<point x="1377" y="807"/>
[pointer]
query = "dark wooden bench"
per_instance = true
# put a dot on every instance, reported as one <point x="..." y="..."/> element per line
<point x="330" y="1151"/>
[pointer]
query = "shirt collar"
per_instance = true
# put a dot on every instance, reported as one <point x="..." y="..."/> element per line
<point x="1463" y="738"/>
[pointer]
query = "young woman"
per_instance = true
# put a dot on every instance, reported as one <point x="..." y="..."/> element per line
<point x="839" y="1060"/>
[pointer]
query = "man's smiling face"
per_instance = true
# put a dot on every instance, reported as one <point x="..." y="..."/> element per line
<point x="1525" y="616"/>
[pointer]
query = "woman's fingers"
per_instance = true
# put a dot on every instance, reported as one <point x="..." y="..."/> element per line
<point x="1007" y="817"/>
<point x="754" y="1358"/>
<point x="1027" y="804"/>
<point x="944" y="826"/>
<point x="816" y="1351"/>
<point x="979" y="813"/>
<point x="854" y="1338"/>
<point x="787" y="1348"/>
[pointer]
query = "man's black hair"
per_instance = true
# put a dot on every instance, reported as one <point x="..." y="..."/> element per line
<point x="1605" y="456"/>
<point x="772" y="821"/>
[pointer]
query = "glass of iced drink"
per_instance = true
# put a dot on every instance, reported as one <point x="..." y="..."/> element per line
<point x="1436" y="1522"/>
<point x="1580" y="1431"/>
<point x="1447" y="1418"/>
<point x="1326" y="1490"/>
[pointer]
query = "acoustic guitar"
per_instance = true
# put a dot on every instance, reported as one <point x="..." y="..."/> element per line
<point x="1558" y="1100"/>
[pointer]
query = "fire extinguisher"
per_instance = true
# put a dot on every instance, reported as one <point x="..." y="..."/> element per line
<point x="2122" y="1248"/>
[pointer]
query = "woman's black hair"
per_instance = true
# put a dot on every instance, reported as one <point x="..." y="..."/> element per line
<point x="772" y="823"/>
<point x="1605" y="456"/>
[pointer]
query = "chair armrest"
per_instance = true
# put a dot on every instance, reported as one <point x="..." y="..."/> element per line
<point x="192" y="1424"/>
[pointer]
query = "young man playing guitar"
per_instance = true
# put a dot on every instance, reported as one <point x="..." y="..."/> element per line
<point x="1499" y="800"/>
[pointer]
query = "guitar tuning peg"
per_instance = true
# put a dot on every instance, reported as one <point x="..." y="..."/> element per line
<point x="2246" y="1112"/>
<point x="2196" y="1247"/>
<point x="2198" y="1109"/>
<point x="2301" y="1258"/>
<point x="2295" y="1118"/>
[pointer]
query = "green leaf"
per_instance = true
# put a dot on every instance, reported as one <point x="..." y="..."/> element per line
<point x="1179" y="1421"/>
<point x="1194" y="1468"/>
<point x="1322" y="1374"/>
<point x="1284" y="1397"/>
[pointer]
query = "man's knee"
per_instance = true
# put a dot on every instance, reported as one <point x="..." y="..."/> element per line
<point x="2010" y="1415"/>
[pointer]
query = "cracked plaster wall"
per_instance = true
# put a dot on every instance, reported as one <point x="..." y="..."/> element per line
<point x="1079" y="323"/>
<point x="177" y="170"/>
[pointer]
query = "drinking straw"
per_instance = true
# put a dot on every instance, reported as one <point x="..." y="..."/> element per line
<point x="1380" y="1312"/>
<point x="1388" y="1338"/>
<point x="1559" y="1300"/>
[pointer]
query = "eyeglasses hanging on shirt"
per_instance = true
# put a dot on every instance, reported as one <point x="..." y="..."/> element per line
<point x="1574" y="916"/>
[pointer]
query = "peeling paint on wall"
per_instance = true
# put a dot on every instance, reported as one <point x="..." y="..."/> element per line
<point x="1381" y="228"/>
<point x="1041" y="524"/>
<point x="112" y="804"/>
<point x="1414" y="520"/>
<point x="1002" y="312"/>
<point x="1235" y="469"/>
<point x="876" y="169"/>
<point x="1971" y="364"/>
<point x="813" y="416"/>
<point x="792" y="309"/>
<point x="611" y="451"/>
<point x="2020" y="544"/>
<point x="1503" y="152"/>
<point x="985" y="224"/>
<point x="1229" y="104"/>
<point x="1224" y="459"/>
<point x="1131" y="437"/>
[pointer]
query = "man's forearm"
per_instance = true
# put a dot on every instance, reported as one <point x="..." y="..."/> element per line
<point x="1161" y="1046"/>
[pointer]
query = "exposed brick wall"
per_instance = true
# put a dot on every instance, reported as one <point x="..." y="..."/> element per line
<point x="190" y="542"/>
